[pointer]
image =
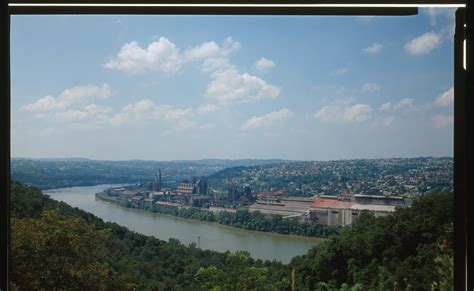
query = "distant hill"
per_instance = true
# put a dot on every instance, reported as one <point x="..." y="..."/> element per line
<point x="241" y="162"/>
<point x="66" y="172"/>
<point x="399" y="176"/>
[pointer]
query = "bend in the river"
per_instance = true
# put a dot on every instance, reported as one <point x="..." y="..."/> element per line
<point x="212" y="236"/>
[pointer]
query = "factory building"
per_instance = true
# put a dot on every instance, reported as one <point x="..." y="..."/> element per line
<point x="382" y="200"/>
<point x="286" y="207"/>
<point x="193" y="194"/>
<point x="185" y="189"/>
<point x="345" y="209"/>
<point x="330" y="210"/>
<point x="137" y="201"/>
<point x="198" y="187"/>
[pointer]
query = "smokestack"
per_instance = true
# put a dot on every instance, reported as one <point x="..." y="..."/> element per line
<point x="159" y="171"/>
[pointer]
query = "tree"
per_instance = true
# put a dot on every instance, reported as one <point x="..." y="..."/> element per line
<point x="444" y="267"/>
<point x="242" y="276"/>
<point x="57" y="252"/>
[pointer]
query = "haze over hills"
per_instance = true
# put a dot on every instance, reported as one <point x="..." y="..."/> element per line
<point x="227" y="162"/>
<point x="55" y="173"/>
<point x="402" y="176"/>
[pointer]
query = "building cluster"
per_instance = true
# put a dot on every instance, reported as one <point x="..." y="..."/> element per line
<point x="331" y="210"/>
<point x="377" y="186"/>
<point x="398" y="177"/>
<point x="190" y="194"/>
<point x="345" y="209"/>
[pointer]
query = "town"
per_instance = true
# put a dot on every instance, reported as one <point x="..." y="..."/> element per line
<point x="346" y="189"/>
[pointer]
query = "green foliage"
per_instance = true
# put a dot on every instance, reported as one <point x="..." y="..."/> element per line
<point x="57" y="246"/>
<point x="386" y="253"/>
<point x="119" y="258"/>
<point x="443" y="264"/>
<point x="241" y="276"/>
<point x="240" y="219"/>
<point x="321" y="286"/>
<point x="57" y="252"/>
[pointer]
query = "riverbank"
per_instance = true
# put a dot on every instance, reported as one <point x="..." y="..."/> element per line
<point x="215" y="237"/>
<point x="242" y="219"/>
<point x="58" y="187"/>
<point x="215" y="224"/>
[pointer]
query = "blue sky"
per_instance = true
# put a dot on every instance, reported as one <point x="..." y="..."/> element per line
<point x="192" y="87"/>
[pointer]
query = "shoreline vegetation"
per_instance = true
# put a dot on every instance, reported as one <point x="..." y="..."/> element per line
<point x="214" y="223"/>
<point x="59" y="247"/>
<point x="242" y="219"/>
<point x="56" y="246"/>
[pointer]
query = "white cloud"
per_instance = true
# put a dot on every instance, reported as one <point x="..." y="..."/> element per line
<point x="383" y="122"/>
<point x="93" y="116"/>
<point x="329" y="113"/>
<point x="211" y="49"/>
<point x="214" y="64"/>
<point x="264" y="64"/>
<point x="344" y="113"/>
<point x="357" y="113"/>
<point x="164" y="56"/>
<point x="435" y="13"/>
<point x="229" y="86"/>
<point x="373" y="49"/>
<point x="145" y="110"/>
<point x="423" y="44"/>
<point x="445" y="99"/>
<point x="268" y="119"/>
<point x="207" y="108"/>
<point x="230" y="45"/>
<point x="205" y="50"/>
<point x="442" y="121"/>
<point x="386" y="106"/>
<point x="91" y="111"/>
<point x="161" y="55"/>
<point x="406" y="102"/>
<point x="68" y="98"/>
<point x="370" y="87"/>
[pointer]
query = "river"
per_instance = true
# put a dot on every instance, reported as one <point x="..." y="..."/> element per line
<point x="262" y="245"/>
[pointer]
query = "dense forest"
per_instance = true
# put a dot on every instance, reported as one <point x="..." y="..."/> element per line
<point x="409" y="250"/>
<point x="55" y="246"/>
<point x="240" y="219"/>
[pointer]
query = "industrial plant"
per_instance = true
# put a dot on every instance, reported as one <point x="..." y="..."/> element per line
<point x="330" y="210"/>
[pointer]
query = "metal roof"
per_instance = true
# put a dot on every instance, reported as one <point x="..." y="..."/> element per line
<point x="331" y="203"/>
<point x="373" y="207"/>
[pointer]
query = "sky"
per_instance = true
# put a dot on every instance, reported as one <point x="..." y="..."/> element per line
<point x="196" y="87"/>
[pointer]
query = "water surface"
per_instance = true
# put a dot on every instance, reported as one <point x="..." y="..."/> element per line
<point x="213" y="236"/>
